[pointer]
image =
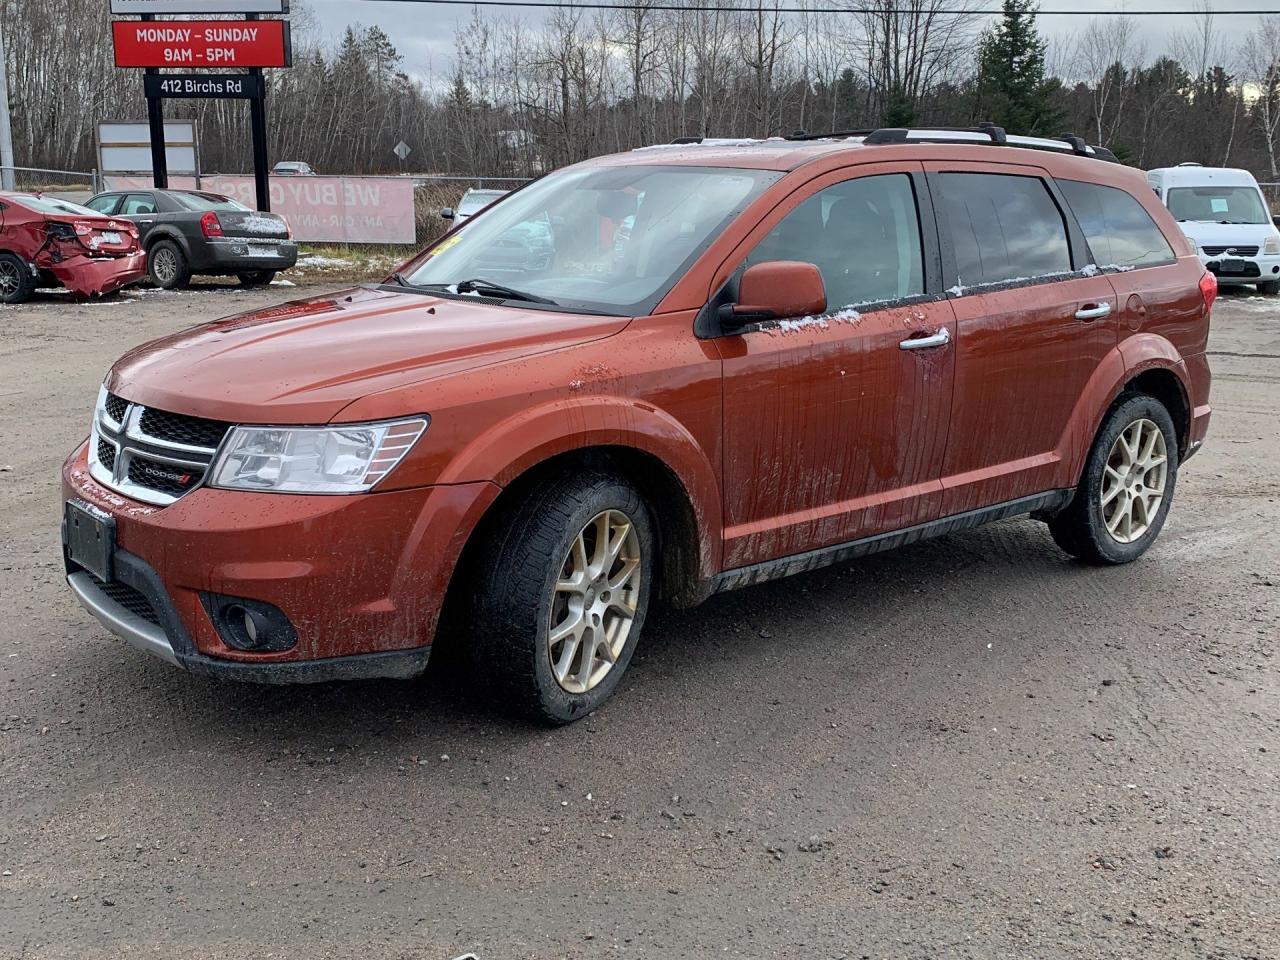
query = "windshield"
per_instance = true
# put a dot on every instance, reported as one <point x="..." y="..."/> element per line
<point x="475" y="202"/>
<point x="1218" y="204"/>
<point x="611" y="239"/>
<point x="207" y="201"/>
<point x="54" y="205"/>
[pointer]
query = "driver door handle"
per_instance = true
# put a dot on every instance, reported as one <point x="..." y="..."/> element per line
<point x="1094" y="311"/>
<point x="939" y="339"/>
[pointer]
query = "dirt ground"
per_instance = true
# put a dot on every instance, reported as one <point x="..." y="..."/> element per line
<point x="972" y="747"/>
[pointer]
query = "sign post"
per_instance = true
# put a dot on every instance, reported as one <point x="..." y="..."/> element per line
<point x="250" y="44"/>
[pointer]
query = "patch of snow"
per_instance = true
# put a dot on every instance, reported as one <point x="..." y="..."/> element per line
<point x="260" y="224"/>
<point x="823" y="322"/>
<point x="283" y="283"/>
<point x="316" y="260"/>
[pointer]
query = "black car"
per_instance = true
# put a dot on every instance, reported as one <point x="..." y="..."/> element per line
<point x="191" y="231"/>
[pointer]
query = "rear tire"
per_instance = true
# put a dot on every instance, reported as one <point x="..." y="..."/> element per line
<point x="16" y="282"/>
<point x="1127" y="487"/>
<point x="257" y="278"/>
<point x="1269" y="287"/>
<point x="167" y="266"/>
<point x="562" y="595"/>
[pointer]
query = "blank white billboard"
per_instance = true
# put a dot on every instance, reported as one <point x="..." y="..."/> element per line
<point x="125" y="147"/>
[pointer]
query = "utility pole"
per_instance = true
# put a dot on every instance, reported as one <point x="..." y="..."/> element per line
<point x="7" y="179"/>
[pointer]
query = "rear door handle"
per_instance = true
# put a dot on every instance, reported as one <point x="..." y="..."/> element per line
<point x="1093" y="311"/>
<point x="939" y="339"/>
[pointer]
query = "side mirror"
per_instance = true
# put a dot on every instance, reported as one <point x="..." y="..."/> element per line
<point x="775" y="290"/>
<point x="446" y="213"/>
<point x="1275" y="219"/>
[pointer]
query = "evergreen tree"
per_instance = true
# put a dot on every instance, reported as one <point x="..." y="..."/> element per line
<point x="1012" y="89"/>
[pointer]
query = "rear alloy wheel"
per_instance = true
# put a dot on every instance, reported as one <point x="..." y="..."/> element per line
<point x="167" y="266"/>
<point x="562" y="594"/>
<point x="1127" y="486"/>
<point x="16" y="282"/>
<point x="256" y="278"/>
<point x="1133" y="481"/>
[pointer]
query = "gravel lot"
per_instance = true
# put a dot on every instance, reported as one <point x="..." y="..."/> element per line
<point x="972" y="747"/>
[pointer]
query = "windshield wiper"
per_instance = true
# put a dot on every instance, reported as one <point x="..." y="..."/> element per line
<point x="479" y="285"/>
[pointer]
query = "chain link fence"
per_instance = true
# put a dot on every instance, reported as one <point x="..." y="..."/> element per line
<point x="77" y="185"/>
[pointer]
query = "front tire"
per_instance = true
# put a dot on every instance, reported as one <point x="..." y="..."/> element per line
<point x="16" y="282"/>
<point x="1124" y="495"/>
<point x="167" y="266"/>
<point x="562" y="596"/>
<point x="1269" y="287"/>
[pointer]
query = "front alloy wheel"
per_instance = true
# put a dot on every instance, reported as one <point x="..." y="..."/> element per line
<point x="561" y="587"/>
<point x="595" y="601"/>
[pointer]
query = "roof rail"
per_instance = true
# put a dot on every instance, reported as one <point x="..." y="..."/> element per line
<point x="988" y="133"/>
<point x="984" y="132"/>
<point x="833" y="135"/>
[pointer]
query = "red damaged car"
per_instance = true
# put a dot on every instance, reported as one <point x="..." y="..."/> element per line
<point x="45" y="241"/>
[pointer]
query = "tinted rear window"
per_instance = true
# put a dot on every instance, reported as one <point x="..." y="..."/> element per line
<point x="1003" y="227"/>
<point x="206" y="201"/>
<point x="1119" y="231"/>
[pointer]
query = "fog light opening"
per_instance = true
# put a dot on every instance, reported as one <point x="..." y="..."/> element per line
<point x="250" y="625"/>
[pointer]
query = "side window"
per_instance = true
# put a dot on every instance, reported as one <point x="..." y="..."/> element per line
<point x="1119" y="231"/>
<point x="103" y="204"/>
<point x="137" y="203"/>
<point x="863" y="235"/>
<point x="1003" y="227"/>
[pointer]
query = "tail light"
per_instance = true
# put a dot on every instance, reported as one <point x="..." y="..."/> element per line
<point x="210" y="225"/>
<point x="83" y="229"/>
<point x="1208" y="290"/>
<point x="60" y="231"/>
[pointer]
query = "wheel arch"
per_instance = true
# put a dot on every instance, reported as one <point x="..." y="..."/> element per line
<point x="1145" y="363"/>
<point x="683" y="578"/>
<point x="166" y="232"/>
<point x="1164" y="385"/>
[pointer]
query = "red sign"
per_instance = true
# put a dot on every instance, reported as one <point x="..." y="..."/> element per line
<point x="202" y="43"/>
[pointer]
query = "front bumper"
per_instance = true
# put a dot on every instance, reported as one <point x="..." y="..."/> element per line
<point x="1243" y="270"/>
<point x="361" y="578"/>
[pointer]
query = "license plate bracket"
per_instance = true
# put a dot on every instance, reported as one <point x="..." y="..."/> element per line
<point x="1232" y="266"/>
<point x="91" y="538"/>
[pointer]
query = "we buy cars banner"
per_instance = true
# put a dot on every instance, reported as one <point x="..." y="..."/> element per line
<point x="318" y="209"/>
<point x="202" y="43"/>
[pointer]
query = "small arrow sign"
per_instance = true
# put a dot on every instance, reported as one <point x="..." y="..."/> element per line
<point x="401" y="150"/>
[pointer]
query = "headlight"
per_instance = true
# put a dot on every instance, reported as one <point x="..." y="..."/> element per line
<point x="1272" y="247"/>
<point x="344" y="458"/>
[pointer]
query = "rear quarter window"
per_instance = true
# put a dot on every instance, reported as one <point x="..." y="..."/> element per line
<point x="1118" y="229"/>
<point x="1003" y="227"/>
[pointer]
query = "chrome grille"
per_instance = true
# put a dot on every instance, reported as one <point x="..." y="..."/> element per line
<point x="1239" y="251"/>
<point x="151" y="455"/>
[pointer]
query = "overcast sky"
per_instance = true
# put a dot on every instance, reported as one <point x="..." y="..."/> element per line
<point x="423" y="32"/>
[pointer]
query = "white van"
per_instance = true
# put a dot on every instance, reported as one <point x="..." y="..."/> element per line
<point x="1222" y="212"/>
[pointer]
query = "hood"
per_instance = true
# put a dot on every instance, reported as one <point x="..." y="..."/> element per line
<point x="1226" y="234"/>
<point x="303" y="361"/>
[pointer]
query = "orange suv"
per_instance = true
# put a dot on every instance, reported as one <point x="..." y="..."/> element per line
<point x="655" y="375"/>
